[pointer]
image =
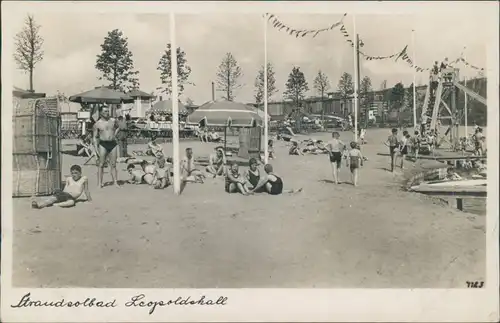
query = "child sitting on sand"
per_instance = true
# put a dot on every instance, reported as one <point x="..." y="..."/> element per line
<point x="270" y="149"/>
<point x="235" y="183"/>
<point x="217" y="163"/>
<point x="154" y="149"/>
<point x="355" y="161"/>
<point x="75" y="189"/>
<point x="294" y="149"/>
<point x="161" y="176"/>
<point x="189" y="172"/>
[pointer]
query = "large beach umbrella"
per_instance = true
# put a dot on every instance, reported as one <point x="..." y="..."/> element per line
<point x="226" y="114"/>
<point x="140" y="94"/>
<point x="166" y="107"/>
<point x="102" y="95"/>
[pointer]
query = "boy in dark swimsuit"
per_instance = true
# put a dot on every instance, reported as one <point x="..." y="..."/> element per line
<point x="392" y="142"/>
<point x="335" y="149"/>
<point x="272" y="183"/>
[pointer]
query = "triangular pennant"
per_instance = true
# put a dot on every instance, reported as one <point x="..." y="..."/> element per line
<point x="304" y="34"/>
<point x="283" y="26"/>
<point x="316" y="33"/>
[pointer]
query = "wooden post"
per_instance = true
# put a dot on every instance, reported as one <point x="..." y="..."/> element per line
<point x="225" y="140"/>
<point x="244" y="141"/>
<point x="460" y="204"/>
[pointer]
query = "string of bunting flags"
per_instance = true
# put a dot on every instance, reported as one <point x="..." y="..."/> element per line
<point x="300" y="32"/>
<point x="402" y="54"/>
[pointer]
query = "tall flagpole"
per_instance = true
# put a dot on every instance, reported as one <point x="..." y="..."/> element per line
<point x="414" y="80"/>
<point x="266" y="138"/>
<point x="466" y="112"/>
<point x="175" y="107"/>
<point x="355" y="41"/>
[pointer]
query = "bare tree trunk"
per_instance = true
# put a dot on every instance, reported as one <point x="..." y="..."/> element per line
<point x="31" y="80"/>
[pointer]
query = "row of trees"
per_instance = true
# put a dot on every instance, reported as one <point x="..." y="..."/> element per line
<point x="115" y="62"/>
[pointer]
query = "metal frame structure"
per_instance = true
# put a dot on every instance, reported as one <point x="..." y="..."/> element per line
<point x="445" y="95"/>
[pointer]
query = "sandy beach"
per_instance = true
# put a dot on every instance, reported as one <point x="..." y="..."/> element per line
<point x="329" y="236"/>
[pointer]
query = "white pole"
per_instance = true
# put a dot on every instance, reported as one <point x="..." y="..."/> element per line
<point x="138" y="107"/>
<point x="266" y="138"/>
<point x="355" y="40"/>
<point x="414" y="80"/>
<point x="465" y="105"/>
<point x="175" y="108"/>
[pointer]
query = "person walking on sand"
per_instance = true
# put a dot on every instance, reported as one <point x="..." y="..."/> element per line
<point x="106" y="145"/>
<point x="392" y="142"/>
<point x="335" y="149"/>
<point x="355" y="161"/>
<point x="403" y="147"/>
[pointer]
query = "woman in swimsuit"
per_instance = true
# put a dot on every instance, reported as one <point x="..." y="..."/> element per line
<point x="252" y="176"/>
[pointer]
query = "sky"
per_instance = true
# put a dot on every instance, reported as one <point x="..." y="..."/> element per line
<point x="72" y="42"/>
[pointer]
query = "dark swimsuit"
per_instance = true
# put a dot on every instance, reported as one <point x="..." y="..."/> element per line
<point x="109" y="145"/>
<point x="276" y="186"/>
<point x="336" y="157"/>
<point x="254" y="180"/>
<point x="228" y="183"/>
<point x="354" y="163"/>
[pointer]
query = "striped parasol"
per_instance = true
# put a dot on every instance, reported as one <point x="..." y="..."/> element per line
<point x="225" y="114"/>
<point x="165" y="106"/>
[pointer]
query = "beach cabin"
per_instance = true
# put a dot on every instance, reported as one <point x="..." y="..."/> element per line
<point x="142" y="103"/>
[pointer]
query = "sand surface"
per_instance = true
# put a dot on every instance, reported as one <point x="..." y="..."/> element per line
<point x="328" y="236"/>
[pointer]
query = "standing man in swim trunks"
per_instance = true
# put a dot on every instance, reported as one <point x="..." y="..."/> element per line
<point x="335" y="149"/>
<point x="393" y="143"/>
<point x="106" y="145"/>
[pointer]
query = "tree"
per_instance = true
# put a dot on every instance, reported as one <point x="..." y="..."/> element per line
<point x="115" y="62"/>
<point x="165" y="68"/>
<point x="345" y="88"/>
<point x="28" y="51"/>
<point x="397" y="99"/>
<point x="296" y="86"/>
<point x="259" y="84"/>
<point x="228" y="76"/>
<point x="321" y="84"/>
<point x="366" y="97"/>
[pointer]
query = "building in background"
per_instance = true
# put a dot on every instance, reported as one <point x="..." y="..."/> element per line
<point x="142" y="103"/>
